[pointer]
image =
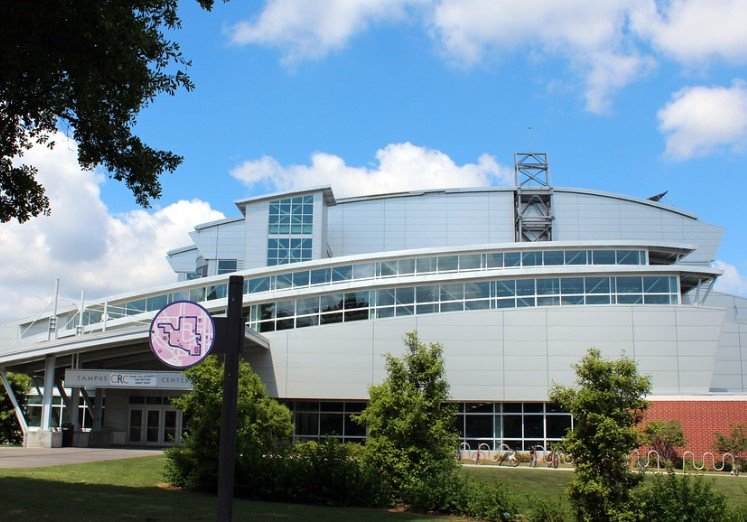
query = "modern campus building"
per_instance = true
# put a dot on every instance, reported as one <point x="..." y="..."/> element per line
<point x="516" y="283"/>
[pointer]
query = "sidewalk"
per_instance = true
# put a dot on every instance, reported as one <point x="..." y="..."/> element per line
<point x="11" y="457"/>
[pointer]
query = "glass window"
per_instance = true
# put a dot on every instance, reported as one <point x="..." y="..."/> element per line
<point x="557" y="425"/>
<point x="320" y="276"/>
<point x="364" y="271"/>
<point x="307" y="423"/>
<point x="226" y="266"/>
<point x="479" y="290"/>
<point x="448" y="263"/>
<point x="572" y="300"/>
<point x="387" y="268"/>
<point x="426" y="265"/>
<point x="548" y="286"/>
<point x="572" y="285"/>
<point x="330" y="303"/>
<point x="454" y="306"/>
<point x="385" y="297"/>
<point x="309" y="320"/>
<point x="512" y="426"/>
<point x="153" y="303"/>
<point x="356" y="315"/>
<point x="483" y="304"/>
<point x="356" y="300"/>
<point x="452" y="292"/>
<point x="330" y="423"/>
<point x="656" y="284"/>
<point x="330" y="318"/>
<point x="512" y="259"/>
<point x="597" y="299"/>
<point x="525" y="301"/>
<point x="261" y="284"/>
<point x="266" y="311"/>
<point x="406" y="266"/>
<point x="307" y="305"/>
<point x="629" y="285"/>
<point x="534" y="427"/>
<point x="217" y="292"/>
<point x="301" y="279"/>
<point x="284" y="324"/>
<point x="495" y="260"/>
<point x="283" y="281"/>
<point x="479" y="426"/>
<point x="404" y="310"/>
<point x="342" y="273"/>
<point x="656" y="299"/>
<point x="196" y="294"/>
<point x="285" y="309"/>
<point x="384" y="312"/>
<point x="597" y="285"/>
<point x="554" y="257"/>
<point x="628" y="257"/>
<point x="629" y="299"/>
<point x="525" y="287"/>
<point x="506" y="288"/>
<point x="603" y="257"/>
<point x="426" y="294"/>
<point x="405" y="295"/>
<point x="470" y="262"/>
<point x="531" y="258"/>
<point x="548" y="300"/>
<point x="575" y="257"/>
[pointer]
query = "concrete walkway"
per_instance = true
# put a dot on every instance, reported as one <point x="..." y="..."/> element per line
<point x="42" y="457"/>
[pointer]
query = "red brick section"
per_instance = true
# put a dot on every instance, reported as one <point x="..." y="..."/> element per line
<point x="700" y="419"/>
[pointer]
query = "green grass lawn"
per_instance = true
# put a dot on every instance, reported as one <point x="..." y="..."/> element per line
<point x="551" y="484"/>
<point x="133" y="489"/>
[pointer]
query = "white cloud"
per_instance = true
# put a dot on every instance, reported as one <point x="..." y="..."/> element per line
<point x="589" y="33"/>
<point x="692" y="31"/>
<point x="400" y="167"/>
<point x="82" y="243"/>
<point x="731" y="281"/>
<point x="309" y="29"/>
<point x="701" y="120"/>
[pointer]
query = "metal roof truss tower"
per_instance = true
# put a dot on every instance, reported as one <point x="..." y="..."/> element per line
<point x="532" y="197"/>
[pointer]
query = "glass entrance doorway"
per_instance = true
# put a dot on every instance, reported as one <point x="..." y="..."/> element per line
<point x="152" y="423"/>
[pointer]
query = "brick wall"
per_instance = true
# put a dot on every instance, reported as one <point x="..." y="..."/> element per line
<point x="700" y="419"/>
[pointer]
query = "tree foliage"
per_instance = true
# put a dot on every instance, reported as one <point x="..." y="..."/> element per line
<point x="736" y="443"/>
<point x="677" y="498"/>
<point x="263" y="424"/>
<point x="10" y="430"/>
<point x="88" y="66"/>
<point x="606" y="404"/>
<point x="411" y="436"/>
<point x="664" y="437"/>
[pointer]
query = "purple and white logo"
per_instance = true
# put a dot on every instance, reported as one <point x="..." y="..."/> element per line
<point x="182" y="334"/>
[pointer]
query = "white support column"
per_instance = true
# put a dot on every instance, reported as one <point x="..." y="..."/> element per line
<point x="16" y="407"/>
<point x="98" y="425"/>
<point x="75" y="394"/>
<point x="49" y="369"/>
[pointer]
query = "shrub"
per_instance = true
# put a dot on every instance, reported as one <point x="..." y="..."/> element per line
<point x="674" y="498"/>
<point x="664" y="438"/>
<point x="10" y="430"/>
<point x="263" y="426"/>
<point x="544" y="510"/>
<point x="606" y="406"/>
<point x="411" y="436"/>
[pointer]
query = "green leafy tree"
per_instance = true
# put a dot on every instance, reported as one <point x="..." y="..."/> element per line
<point x="411" y="437"/>
<point x="606" y="404"/>
<point x="87" y="66"/>
<point x="10" y="430"/>
<point x="736" y="443"/>
<point x="677" y="498"/>
<point x="263" y="424"/>
<point x="664" y="437"/>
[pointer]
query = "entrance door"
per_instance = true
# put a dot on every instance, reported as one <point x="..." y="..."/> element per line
<point x="153" y="427"/>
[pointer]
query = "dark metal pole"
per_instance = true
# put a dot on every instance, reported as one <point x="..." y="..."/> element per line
<point x="234" y="341"/>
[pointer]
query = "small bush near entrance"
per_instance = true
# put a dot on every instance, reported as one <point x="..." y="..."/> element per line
<point x="10" y="430"/>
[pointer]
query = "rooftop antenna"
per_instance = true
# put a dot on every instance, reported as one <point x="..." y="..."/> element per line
<point x="532" y="197"/>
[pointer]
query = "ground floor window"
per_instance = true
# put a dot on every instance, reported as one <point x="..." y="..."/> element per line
<point x="59" y="412"/>
<point x="515" y="424"/>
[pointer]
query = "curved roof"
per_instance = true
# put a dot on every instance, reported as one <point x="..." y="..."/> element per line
<point x="587" y="192"/>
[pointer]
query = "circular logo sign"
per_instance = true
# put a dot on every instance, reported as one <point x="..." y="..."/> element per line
<point x="182" y="334"/>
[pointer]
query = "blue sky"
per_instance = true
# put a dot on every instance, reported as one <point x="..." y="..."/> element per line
<point x="629" y="96"/>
